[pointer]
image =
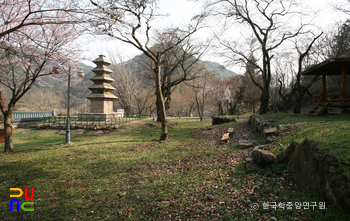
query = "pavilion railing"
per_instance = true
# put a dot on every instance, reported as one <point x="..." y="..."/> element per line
<point x="332" y="97"/>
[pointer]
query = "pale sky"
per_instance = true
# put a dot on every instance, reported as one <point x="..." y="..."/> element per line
<point x="181" y="11"/>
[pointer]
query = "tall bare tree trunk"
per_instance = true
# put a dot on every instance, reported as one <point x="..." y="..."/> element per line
<point x="8" y="133"/>
<point x="200" y="108"/>
<point x="265" y="97"/>
<point x="164" y="136"/>
<point x="159" y="117"/>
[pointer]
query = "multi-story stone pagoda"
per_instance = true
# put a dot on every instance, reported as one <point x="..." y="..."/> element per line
<point x="101" y="97"/>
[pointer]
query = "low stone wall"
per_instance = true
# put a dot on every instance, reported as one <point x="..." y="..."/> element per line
<point x="264" y="128"/>
<point x="216" y="120"/>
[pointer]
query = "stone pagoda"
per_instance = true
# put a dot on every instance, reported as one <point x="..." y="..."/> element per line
<point x="101" y="97"/>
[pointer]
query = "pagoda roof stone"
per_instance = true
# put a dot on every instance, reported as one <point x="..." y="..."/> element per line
<point x="102" y="60"/>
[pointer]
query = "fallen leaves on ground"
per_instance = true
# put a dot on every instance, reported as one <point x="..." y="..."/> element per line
<point x="205" y="185"/>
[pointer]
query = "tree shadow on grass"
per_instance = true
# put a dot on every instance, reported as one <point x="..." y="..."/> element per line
<point x="22" y="175"/>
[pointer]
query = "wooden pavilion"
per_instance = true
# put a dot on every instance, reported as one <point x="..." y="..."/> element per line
<point x="339" y="65"/>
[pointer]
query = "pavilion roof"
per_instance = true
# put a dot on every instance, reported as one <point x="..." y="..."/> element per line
<point x="331" y="66"/>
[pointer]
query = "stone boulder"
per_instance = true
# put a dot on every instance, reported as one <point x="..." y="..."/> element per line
<point x="280" y="127"/>
<point x="245" y="136"/>
<point x="231" y="131"/>
<point x="261" y="147"/>
<point x="244" y="144"/>
<point x="269" y="140"/>
<point x="270" y="132"/>
<point x="251" y="119"/>
<point x="256" y="125"/>
<point x="263" y="157"/>
<point x="262" y="126"/>
<point x="225" y="138"/>
<point x="251" y="166"/>
<point x="285" y="155"/>
<point x="216" y="120"/>
<point x="319" y="172"/>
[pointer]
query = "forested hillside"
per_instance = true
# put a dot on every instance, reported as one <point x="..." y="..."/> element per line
<point x="51" y="94"/>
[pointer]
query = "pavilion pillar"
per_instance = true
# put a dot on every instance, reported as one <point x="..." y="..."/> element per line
<point x="324" y="88"/>
<point x="344" y="80"/>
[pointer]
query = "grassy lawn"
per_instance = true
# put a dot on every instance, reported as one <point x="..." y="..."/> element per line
<point x="127" y="174"/>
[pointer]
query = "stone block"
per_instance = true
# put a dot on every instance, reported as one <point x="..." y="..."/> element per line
<point x="225" y="138"/>
<point x="263" y="157"/>
<point x="231" y="131"/>
<point x="244" y="144"/>
<point x="285" y="155"/>
<point x="269" y="140"/>
<point x="280" y="127"/>
<point x="323" y="176"/>
<point x="261" y="147"/>
<point x="251" y="166"/>
<point x="245" y="136"/>
<point x="270" y="132"/>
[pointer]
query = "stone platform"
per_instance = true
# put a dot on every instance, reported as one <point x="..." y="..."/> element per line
<point x="100" y="116"/>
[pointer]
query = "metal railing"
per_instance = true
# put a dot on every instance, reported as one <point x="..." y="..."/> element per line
<point x="31" y="116"/>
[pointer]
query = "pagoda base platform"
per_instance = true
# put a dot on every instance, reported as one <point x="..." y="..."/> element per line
<point x="99" y="116"/>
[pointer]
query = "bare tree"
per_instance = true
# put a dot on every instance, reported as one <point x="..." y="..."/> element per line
<point x="201" y="91"/>
<point x="181" y="64"/>
<point x="44" y="100"/>
<point x="302" y="89"/>
<point x="127" y="82"/>
<point x="251" y="93"/>
<point x="219" y="96"/>
<point x="299" y="88"/>
<point x="19" y="14"/>
<point x="264" y="20"/>
<point x="143" y="99"/>
<point x="130" y="22"/>
<point x="344" y="7"/>
<point x="236" y="91"/>
<point x="28" y="56"/>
